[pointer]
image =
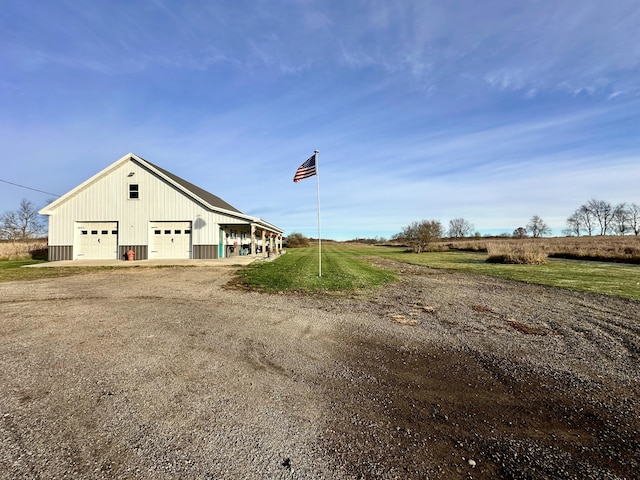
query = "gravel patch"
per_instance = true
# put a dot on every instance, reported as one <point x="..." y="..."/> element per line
<point x="171" y="373"/>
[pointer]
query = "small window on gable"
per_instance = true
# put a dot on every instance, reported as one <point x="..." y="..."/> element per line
<point x="133" y="190"/>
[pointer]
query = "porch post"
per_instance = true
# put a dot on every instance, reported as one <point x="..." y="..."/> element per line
<point x="253" y="239"/>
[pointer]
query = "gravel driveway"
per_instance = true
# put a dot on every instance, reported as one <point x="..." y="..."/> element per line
<point x="173" y="373"/>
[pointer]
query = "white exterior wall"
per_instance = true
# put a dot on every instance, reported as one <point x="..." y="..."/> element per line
<point x="107" y="199"/>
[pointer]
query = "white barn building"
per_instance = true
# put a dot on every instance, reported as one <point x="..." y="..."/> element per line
<point x="136" y="205"/>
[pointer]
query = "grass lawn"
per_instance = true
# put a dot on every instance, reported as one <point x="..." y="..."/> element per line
<point x="344" y="267"/>
<point x="617" y="279"/>
<point x="11" y="271"/>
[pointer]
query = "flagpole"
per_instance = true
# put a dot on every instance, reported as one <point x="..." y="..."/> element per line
<point x="319" y="234"/>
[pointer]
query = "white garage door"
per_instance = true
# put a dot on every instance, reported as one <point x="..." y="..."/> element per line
<point x="96" y="240"/>
<point x="170" y="240"/>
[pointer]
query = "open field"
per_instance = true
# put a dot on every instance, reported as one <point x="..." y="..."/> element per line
<point x="580" y="275"/>
<point x="344" y="267"/>
<point x="173" y="373"/>
<point x="625" y="248"/>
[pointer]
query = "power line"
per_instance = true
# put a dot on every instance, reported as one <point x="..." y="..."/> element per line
<point x="28" y="188"/>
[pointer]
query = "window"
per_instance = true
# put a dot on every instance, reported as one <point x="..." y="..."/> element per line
<point x="114" y="232"/>
<point x="167" y="232"/>
<point x="94" y="232"/>
<point x="187" y="232"/>
<point x="84" y="232"/>
<point x="177" y="232"/>
<point x="133" y="190"/>
<point x="105" y="232"/>
<point x="157" y="232"/>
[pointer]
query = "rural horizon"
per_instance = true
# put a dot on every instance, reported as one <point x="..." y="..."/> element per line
<point x="419" y="109"/>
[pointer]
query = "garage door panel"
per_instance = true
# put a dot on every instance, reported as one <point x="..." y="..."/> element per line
<point x="96" y="240"/>
<point x="170" y="240"/>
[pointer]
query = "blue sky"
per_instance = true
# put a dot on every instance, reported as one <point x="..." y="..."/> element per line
<point x="493" y="111"/>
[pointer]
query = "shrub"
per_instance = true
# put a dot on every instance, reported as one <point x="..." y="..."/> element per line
<point x="296" y="239"/>
<point x="419" y="234"/>
<point x="522" y="253"/>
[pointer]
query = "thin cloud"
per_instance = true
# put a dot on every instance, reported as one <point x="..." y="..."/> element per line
<point x="420" y="109"/>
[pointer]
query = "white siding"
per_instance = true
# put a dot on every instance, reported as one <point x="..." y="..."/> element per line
<point x="107" y="198"/>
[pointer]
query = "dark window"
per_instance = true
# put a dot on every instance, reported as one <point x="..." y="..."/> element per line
<point x="177" y="232"/>
<point x="187" y="232"/>
<point x="105" y="232"/>
<point x="167" y="232"/>
<point x="84" y="232"/>
<point x="133" y="191"/>
<point x="94" y="232"/>
<point x="157" y="232"/>
<point x="114" y="232"/>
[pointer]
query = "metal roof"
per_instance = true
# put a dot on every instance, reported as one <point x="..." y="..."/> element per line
<point x="210" y="198"/>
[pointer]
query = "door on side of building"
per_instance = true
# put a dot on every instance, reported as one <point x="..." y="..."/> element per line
<point x="96" y="241"/>
<point x="170" y="240"/>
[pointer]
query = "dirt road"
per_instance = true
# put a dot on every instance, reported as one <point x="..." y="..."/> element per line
<point x="169" y="373"/>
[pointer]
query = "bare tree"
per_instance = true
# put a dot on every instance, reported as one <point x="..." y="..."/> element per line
<point x="520" y="232"/>
<point x="634" y="218"/>
<point x="603" y="212"/>
<point x="537" y="227"/>
<point x="586" y="219"/>
<point x="574" y="225"/>
<point x="620" y="222"/>
<point x="22" y="224"/>
<point x="419" y="234"/>
<point x="459" y="228"/>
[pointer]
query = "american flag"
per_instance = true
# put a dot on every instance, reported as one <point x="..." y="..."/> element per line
<point x="306" y="170"/>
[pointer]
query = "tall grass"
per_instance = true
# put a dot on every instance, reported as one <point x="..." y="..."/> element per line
<point x="523" y="253"/>
<point x="625" y="249"/>
<point x="34" y="249"/>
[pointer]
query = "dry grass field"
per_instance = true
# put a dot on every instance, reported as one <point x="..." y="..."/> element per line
<point x="603" y="248"/>
<point x="23" y="250"/>
<point x="531" y="250"/>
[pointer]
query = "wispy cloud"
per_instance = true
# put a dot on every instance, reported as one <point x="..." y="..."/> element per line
<point x="421" y="109"/>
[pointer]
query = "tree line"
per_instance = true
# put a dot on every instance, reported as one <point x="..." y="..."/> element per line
<point x="417" y="235"/>
<point x="595" y="217"/>
<point x="600" y="217"/>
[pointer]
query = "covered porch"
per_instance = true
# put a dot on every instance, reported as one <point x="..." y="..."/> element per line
<point x="256" y="238"/>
